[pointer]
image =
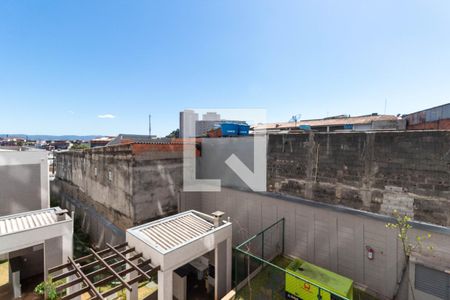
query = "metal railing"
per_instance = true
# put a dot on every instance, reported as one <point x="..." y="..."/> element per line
<point x="257" y="260"/>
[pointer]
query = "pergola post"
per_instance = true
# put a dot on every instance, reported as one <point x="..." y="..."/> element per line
<point x="68" y="252"/>
<point x="165" y="285"/>
<point x="133" y="294"/>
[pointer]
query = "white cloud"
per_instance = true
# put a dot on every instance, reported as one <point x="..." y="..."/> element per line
<point x="106" y="116"/>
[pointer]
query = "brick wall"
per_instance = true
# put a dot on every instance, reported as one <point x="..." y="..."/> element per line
<point x="378" y="172"/>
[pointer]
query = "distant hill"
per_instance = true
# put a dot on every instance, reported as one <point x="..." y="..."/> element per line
<point x="41" y="137"/>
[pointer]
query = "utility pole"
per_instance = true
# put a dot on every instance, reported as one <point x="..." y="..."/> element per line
<point x="150" y="126"/>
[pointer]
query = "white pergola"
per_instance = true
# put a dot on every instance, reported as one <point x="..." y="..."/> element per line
<point x="174" y="241"/>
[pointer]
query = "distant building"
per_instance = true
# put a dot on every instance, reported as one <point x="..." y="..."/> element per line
<point x="339" y="123"/>
<point x="188" y="118"/>
<point x="60" y="145"/>
<point x="211" y="116"/>
<point x="433" y="118"/>
<point x="12" y="141"/>
<point x="100" y="142"/>
<point x="203" y="126"/>
<point x="198" y="128"/>
<point x="130" y="138"/>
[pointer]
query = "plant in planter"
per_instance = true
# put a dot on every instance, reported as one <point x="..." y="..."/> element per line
<point x="47" y="288"/>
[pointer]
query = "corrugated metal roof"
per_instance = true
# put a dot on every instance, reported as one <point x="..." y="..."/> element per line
<point x="175" y="231"/>
<point x="328" y="122"/>
<point x="25" y="221"/>
<point x="433" y="114"/>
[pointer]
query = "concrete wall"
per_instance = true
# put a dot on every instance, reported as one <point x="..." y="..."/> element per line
<point x="126" y="184"/>
<point x="331" y="237"/>
<point x="24" y="183"/>
<point x="99" y="228"/>
<point x="157" y="181"/>
<point x="101" y="177"/>
<point x="373" y="171"/>
<point x="377" y="172"/>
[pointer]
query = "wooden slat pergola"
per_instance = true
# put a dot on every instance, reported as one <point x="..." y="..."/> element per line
<point x="100" y="268"/>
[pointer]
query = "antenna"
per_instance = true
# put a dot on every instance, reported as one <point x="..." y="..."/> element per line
<point x="385" y="104"/>
<point x="150" y="125"/>
<point x="295" y="118"/>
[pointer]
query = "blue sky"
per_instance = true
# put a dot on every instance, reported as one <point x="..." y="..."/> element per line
<point x="64" y="63"/>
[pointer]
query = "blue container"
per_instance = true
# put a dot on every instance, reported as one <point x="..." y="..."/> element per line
<point x="229" y="129"/>
<point x="243" y="129"/>
<point x="305" y="127"/>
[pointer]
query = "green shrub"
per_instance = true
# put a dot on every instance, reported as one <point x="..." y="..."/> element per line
<point x="48" y="288"/>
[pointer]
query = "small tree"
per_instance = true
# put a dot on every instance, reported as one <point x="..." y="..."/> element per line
<point x="402" y="225"/>
<point x="174" y="134"/>
<point x="80" y="147"/>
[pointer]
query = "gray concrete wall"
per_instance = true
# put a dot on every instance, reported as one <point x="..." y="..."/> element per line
<point x="23" y="181"/>
<point x="377" y="172"/>
<point x="115" y="188"/>
<point x="101" y="178"/>
<point x="373" y="171"/>
<point x="157" y="181"/>
<point x="100" y="229"/>
<point x="334" y="238"/>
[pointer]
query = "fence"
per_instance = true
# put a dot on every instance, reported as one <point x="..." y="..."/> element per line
<point x="260" y="268"/>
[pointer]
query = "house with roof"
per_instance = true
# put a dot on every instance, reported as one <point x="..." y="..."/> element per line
<point x="338" y="123"/>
